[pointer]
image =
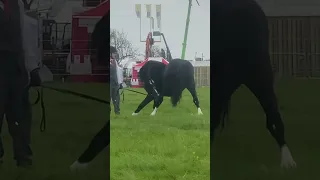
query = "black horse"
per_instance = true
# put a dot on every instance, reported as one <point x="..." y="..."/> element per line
<point x="240" y="55"/>
<point x="100" y="42"/>
<point x="167" y="80"/>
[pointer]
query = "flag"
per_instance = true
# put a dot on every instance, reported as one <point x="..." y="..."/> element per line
<point x="158" y="10"/>
<point x="148" y="7"/>
<point x="138" y="10"/>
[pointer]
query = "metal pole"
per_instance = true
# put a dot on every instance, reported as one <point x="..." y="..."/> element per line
<point x="184" y="45"/>
<point x="140" y="29"/>
<point x="150" y="24"/>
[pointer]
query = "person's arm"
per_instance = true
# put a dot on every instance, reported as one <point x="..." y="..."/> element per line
<point x="31" y="50"/>
<point x="30" y="44"/>
<point x="113" y="74"/>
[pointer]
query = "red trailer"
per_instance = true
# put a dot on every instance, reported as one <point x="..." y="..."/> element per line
<point x="83" y="67"/>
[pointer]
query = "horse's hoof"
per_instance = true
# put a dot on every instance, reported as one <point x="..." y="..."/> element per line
<point x="135" y="114"/>
<point x="76" y="166"/>
<point x="154" y="111"/>
<point x="286" y="158"/>
<point x="199" y="112"/>
<point x="288" y="164"/>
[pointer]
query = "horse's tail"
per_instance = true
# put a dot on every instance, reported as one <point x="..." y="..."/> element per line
<point x="225" y="112"/>
<point x="183" y="75"/>
<point x="176" y="87"/>
<point x="176" y="97"/>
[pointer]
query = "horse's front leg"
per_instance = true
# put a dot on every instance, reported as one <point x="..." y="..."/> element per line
<point x="145" y="102"/>
<point x="157" y="102"/>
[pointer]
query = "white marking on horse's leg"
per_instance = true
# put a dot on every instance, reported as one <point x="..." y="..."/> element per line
<point x="199" y="111"/>
<point x="286" y="158"/>
<point x="76" y="166"/>
<point x="154" y="111"/>
<point x="134" y="114"/>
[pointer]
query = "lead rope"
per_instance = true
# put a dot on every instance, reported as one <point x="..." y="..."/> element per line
<point x="40" y="98"/>
<point x="43" y="112"/>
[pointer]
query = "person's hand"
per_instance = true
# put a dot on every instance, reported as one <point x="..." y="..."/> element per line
<point x="35" y="79"/>
<point x="121" y="86"/>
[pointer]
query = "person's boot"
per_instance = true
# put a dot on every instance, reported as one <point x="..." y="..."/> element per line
<point x="24" y="163"/>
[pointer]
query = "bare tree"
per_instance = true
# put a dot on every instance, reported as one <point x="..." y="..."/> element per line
<point x="124" y="47"/>
<point x="156" y="51"/>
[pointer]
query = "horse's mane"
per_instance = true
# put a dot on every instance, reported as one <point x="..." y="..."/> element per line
<point x="149" y="69"/>
<point x="152" y="70"/>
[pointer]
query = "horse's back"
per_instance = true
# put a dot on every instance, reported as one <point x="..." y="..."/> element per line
<point x="179" y="67"/>
<point x="241" y="38"/>
<point x="178" y="75"/>
<point x="240" y="28"/>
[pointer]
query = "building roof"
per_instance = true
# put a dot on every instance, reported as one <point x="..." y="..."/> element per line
<point x="290" y="7"/>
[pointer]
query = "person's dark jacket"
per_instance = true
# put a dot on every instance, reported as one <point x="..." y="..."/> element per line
<point x="10" y="34"/>
<point x="113" y="74"/>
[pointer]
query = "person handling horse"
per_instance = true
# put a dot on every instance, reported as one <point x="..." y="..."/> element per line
<point x="18" y="71"/>
<point x="116" y="79"/>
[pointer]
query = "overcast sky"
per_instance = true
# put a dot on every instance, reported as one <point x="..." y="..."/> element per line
<point x="173" y="16"/>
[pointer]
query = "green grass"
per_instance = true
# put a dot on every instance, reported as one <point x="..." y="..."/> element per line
<point x="246" y="151"/>
<point x="71" y="123"/>
<point x="172" y="145"/>
<point x="175" y="143"/>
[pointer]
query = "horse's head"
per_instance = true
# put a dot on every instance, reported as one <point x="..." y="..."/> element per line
<point x="100" y="39"/>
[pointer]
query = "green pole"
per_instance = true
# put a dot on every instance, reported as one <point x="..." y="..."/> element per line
<point x="184" y="44"/>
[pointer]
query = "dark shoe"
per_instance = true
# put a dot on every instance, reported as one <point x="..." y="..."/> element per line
<point x="117" y="113"/>
<point x="24" y="163"/>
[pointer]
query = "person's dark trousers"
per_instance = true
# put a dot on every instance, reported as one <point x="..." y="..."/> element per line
<point x="15" y="106"/>
<point x="115" y="96"/>
<point x="98" y="143"/>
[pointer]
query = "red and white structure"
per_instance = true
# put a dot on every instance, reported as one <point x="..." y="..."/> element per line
<point x="135" y="82"/>
<point x="82" y="67"/>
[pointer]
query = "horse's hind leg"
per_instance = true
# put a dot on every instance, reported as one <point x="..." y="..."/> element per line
<point x="220" y="96"/>
<point x="193" y="92"/>
<point x="145" y="102"/>
<point x="262" y="88"/>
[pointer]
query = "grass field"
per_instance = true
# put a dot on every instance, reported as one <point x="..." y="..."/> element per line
<point x="175" y="143"/>
<point x="172" y="145"/>
<point x="246" y="151"/>
<point x="71" y="123"/>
